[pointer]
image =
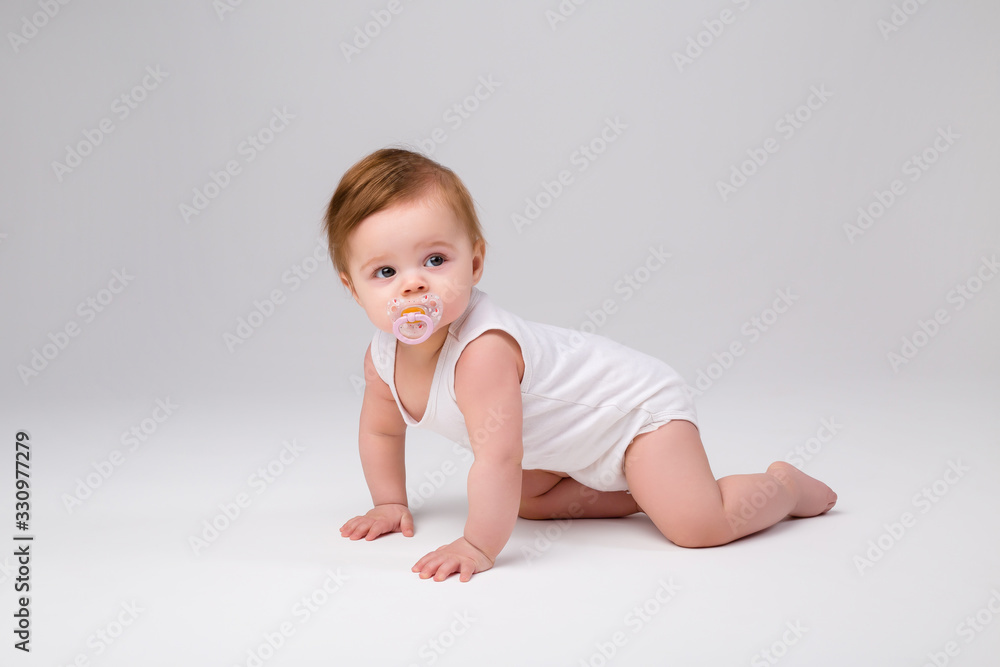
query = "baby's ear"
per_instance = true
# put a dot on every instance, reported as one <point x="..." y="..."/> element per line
<point x="478" y="259"/>
<point x="346" y="280"/>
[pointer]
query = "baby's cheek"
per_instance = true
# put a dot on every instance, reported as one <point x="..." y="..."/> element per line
<point x="380" y="319"/>
<point x="453" y="310"/>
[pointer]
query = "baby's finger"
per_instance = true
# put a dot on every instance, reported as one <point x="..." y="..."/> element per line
<point x="361" y="529"/>
<point x="376" y="529"/>
<point x="419" y="565"/>
<point x="428" y="569"/>
<point x="446" y="568"/>
<point x="428" y="557"/>
<point x="468" y="569"/>
<point x="427" y="565"/>
<point x="349" y="526"/>
<point x="406" y="524"/>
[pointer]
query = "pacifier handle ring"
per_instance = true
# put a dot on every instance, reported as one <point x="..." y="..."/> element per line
<point x="413" y="317"/>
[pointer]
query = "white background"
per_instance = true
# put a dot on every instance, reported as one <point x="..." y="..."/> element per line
<point x="163" y="337"/>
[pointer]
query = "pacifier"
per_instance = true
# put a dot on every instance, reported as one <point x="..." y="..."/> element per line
<point x="414" y="319"/>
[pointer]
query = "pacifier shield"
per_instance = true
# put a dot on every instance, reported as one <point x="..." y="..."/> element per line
<point x="414" y="319"/>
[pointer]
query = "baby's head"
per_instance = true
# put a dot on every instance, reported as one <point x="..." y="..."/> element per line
<point x="399" y="226"/>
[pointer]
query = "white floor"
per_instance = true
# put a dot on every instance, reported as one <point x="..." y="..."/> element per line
<point x="117" y="582"/>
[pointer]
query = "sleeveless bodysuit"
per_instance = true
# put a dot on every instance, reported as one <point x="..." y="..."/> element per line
<point x="584" y="396"/>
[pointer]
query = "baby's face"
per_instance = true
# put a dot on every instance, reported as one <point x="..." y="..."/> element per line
<point x="412" y="249"/>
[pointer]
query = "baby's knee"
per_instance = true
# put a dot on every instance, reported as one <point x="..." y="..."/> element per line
<point x="698" y="532"/>
<point x="530" y="509"/>
<point x="695" y="539"/>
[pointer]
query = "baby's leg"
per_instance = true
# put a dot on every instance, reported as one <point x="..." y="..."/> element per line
<point x="668" y="473"/>
<point x="549" y="495"/>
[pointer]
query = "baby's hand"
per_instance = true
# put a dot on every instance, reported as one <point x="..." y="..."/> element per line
<point x="379" y="520"/>
<point x="459" y="556"/>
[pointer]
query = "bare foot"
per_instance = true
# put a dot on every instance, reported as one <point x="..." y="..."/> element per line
<point x="814" y="497"/>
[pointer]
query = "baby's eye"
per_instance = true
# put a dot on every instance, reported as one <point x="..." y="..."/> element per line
<point x="437" y="260"/>
<point x="379" y="274"/>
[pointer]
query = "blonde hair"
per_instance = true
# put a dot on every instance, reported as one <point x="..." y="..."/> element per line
<point x="387" y="177"/>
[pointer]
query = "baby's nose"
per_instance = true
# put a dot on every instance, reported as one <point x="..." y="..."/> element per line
<point x="414" y="285"/>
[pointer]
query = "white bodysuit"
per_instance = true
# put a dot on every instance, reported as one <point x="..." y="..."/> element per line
<point x="584" y="396"/>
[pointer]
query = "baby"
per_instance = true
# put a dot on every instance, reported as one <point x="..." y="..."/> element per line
<point x="562" y="424"/>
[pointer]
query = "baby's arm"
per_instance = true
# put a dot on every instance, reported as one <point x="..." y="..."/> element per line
<point x="381" y="440"/>
<point x="488" y="392"/>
